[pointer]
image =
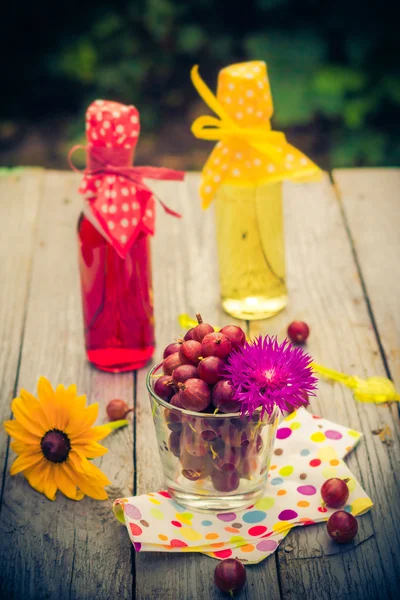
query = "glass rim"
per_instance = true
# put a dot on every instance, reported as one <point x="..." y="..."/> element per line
<point x="236" y="415"/>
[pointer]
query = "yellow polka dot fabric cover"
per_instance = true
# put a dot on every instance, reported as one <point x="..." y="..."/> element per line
<point x="247" y="152"/>
<point x="308" y="450"/>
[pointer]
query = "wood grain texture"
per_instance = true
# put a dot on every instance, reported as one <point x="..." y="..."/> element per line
<point x="185" y="280"/>
<point x="371" y="203"/>
<point x="78" y="550"/>
<point x="64" y="549"/>
<point x="325" y="291"/>
<point x="19" y="205"/>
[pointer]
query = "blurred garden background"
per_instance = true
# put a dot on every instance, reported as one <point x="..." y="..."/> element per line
<point x="333" y="68"/>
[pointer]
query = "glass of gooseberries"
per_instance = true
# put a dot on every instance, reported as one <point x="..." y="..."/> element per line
<point x="213" y="458"/>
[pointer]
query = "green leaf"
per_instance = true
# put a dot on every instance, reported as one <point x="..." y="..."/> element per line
<point x="221" y="47"/>
<point x="159" y="17"/>
<point x="331" y="87"/>
<point x="190" y="39"/>
<point x="118" y="424"/>
<point x="292" y="61"/>
<point x="293" y="102"/>
<point x="338" y="80"/>
<point x="287" y="53"/>
<point x="356" y="110"/>
<point x="108" y="25"/>
<point x="359" y="148"/>
<point x="391" y="85"/>
<point x="79" y="61"/>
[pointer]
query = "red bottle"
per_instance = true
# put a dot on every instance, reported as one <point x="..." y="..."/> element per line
<point x="114" y="244"/>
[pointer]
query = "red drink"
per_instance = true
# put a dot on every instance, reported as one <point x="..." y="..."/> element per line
<point x="114" y="240"/>
<point x="117" y="301"/>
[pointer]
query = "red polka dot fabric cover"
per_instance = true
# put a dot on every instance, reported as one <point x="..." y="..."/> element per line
<point x="119" y="201"/>
<point x="308" y="451"/>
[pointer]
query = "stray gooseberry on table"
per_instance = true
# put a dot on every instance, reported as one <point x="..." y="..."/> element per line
<point x="230" y="576"/>
<point x="298" y="332"/>
<point x="117" y="409"/>
<point x="342" y="527"/>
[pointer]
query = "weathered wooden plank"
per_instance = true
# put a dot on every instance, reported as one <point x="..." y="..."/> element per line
<point x="371" y="203"/>
<point x="185" y="280"/>
<point x="19" y="205"/>
<point x="325" y="291"/>
<point x="64" y="549"/>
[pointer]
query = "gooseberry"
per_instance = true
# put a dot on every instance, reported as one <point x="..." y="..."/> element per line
<point x="117" y="409"/>
<point x="342" y="527"/>
<point x="230" y="576"/>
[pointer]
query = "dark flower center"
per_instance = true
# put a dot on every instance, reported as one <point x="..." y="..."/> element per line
<point x="55" y="446"/>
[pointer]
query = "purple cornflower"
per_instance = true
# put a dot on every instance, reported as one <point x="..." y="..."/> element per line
<point x="268" y="374"/>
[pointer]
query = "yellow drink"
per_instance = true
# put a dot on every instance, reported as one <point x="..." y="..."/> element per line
<point x="251" y="250"/>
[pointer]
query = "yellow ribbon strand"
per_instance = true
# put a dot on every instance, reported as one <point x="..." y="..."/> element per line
<point x="210" y="128"/>
<point x="208" y="97"/>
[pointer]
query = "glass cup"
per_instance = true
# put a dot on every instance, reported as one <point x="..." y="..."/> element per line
<point x="212" y="461"/>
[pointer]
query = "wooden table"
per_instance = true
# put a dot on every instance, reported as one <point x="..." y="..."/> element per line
<point x="343" y="250"/>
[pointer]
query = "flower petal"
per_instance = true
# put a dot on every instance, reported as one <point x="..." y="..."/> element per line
<point x="91" y="490"/>
<point x="63" y="409"/>
<point x="21" y="448"/>
<point x="28" y="419"/>
<point x="81" y="465"/>
<point x="100" y="432"/>
<point x="25" y="461"/>
<point x="95" y="473"/>
<point x="91" y="449"/>
<point x="16" y="431"/>
<point x="37" y="475"/>
<point x="50" y="486"/>
<point x="64" y="483"/>
<point x="87" y="485"/>
<point x="80" y="423"/>
<point x="45" y="391"/>
<point x="78" y="462"/>
<point x="71" y="391"/>
<point x="33" y="405"/>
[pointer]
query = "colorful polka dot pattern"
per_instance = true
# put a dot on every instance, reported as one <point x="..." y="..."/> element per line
<point x="155" y="522"/>
<point x="118" y="203"/>
<point x="244" y="92"/>
<point x="110" y="124"/>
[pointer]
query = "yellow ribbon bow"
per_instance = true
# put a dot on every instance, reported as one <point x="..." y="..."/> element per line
<point x="248" y="152"/>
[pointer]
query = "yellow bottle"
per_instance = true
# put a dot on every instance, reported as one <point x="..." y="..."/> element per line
<point x="251" y="250"/>
<point x="244" y="175"/>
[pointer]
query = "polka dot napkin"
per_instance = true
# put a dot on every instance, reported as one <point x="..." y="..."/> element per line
<point x="308" y="450"/>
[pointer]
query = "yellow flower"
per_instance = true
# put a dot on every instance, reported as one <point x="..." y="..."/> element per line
<point x="54" y="439"/>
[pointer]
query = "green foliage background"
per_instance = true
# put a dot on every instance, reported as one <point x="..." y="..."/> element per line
<point x="333" y="66"/>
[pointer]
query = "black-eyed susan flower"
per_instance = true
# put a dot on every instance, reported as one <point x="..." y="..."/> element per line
<point x="54" y="439"/>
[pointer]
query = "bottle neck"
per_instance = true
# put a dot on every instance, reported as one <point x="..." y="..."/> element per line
<point x="100" y="156"/>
